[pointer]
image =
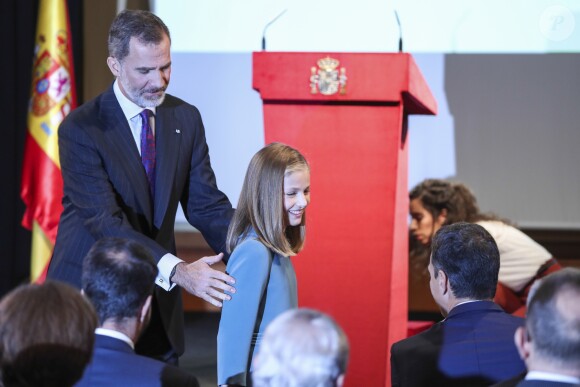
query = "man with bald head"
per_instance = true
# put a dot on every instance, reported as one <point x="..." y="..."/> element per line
<point x="550" y="341"/>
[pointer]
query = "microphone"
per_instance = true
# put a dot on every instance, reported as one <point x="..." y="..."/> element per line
<point x="400" y="32"/>
<point x="268" y="25"/>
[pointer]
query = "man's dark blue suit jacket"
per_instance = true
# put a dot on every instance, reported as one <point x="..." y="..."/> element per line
<point x="114" y="363"/>
<point x="473" y="346"/>
<point x="106" y="192"/>
<point x="544" y="383"/>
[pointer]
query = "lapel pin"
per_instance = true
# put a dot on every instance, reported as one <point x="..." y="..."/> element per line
<point x="177" y="131"/>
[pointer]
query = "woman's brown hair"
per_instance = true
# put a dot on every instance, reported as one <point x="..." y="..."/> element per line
<point x="459" y="203"/>
<point x="456" y="198"/>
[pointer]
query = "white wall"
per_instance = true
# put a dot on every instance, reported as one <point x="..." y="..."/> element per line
<point x="461" y="26"/>
<point x="506" y="125"/>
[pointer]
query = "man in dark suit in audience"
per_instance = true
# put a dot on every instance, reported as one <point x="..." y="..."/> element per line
<point x="118" y="277"/>
<point x="473" y="345"/>
<point x="550" y="341"/>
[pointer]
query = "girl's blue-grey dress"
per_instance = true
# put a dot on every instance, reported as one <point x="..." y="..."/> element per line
<point x="265" y="287"/>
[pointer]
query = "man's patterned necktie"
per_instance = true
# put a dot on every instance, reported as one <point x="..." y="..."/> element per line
<point x="148" y="149"/>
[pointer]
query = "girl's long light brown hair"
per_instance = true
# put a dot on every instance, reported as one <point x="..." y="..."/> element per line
<point x="261" y="203"/>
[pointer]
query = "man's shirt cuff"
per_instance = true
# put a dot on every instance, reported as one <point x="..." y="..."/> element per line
<point x="166" y="265"/>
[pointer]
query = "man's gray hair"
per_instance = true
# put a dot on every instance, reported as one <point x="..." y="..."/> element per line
<point x="301" y="347"/>
<point x="553" y="318"/>
<point x="143" y="25"/>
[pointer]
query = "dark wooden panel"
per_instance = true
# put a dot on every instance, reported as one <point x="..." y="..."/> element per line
<point x="563" y="244"/>
<point x="190" y="247"/>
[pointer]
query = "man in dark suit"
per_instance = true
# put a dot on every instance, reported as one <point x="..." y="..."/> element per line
<point x="550" y="341"/>
<point x="128" y="157"/>
<point x="118" y="278"/>
<point x="473" y="345"/>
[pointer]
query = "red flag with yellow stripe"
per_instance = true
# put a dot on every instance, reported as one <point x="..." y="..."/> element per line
<point x="52" y="98"/>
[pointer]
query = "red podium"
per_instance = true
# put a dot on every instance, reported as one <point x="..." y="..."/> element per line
<point x="347" y="113"/>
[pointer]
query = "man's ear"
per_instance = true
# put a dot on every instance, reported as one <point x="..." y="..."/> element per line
<point x="523" y="343"/>
<point x="443" y="282"/>
<point x="114" y="66"/>
<point x="145" y="309"/>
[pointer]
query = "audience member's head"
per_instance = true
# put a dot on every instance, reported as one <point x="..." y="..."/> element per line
<point x="464" y="265"/>
<point x="302" y="347"/>
<point x="118" y="277"/>
<point x="550" y="341"/>
<point x="46" y="335"/>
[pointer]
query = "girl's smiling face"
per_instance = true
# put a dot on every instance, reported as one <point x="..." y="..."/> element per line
<point x="296" y="195"/>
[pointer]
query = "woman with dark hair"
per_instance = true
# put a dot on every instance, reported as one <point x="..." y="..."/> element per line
<point x="267" y="229"/>
<point x="435" y="203"/>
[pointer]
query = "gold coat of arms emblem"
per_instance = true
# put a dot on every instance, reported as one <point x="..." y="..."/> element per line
<point x="327" y="79"/>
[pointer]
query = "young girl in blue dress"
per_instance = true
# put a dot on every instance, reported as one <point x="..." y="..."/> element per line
<point x="267" y="229"/>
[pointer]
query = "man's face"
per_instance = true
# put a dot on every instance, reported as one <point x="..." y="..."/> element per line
<point x="144" y="74"/>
